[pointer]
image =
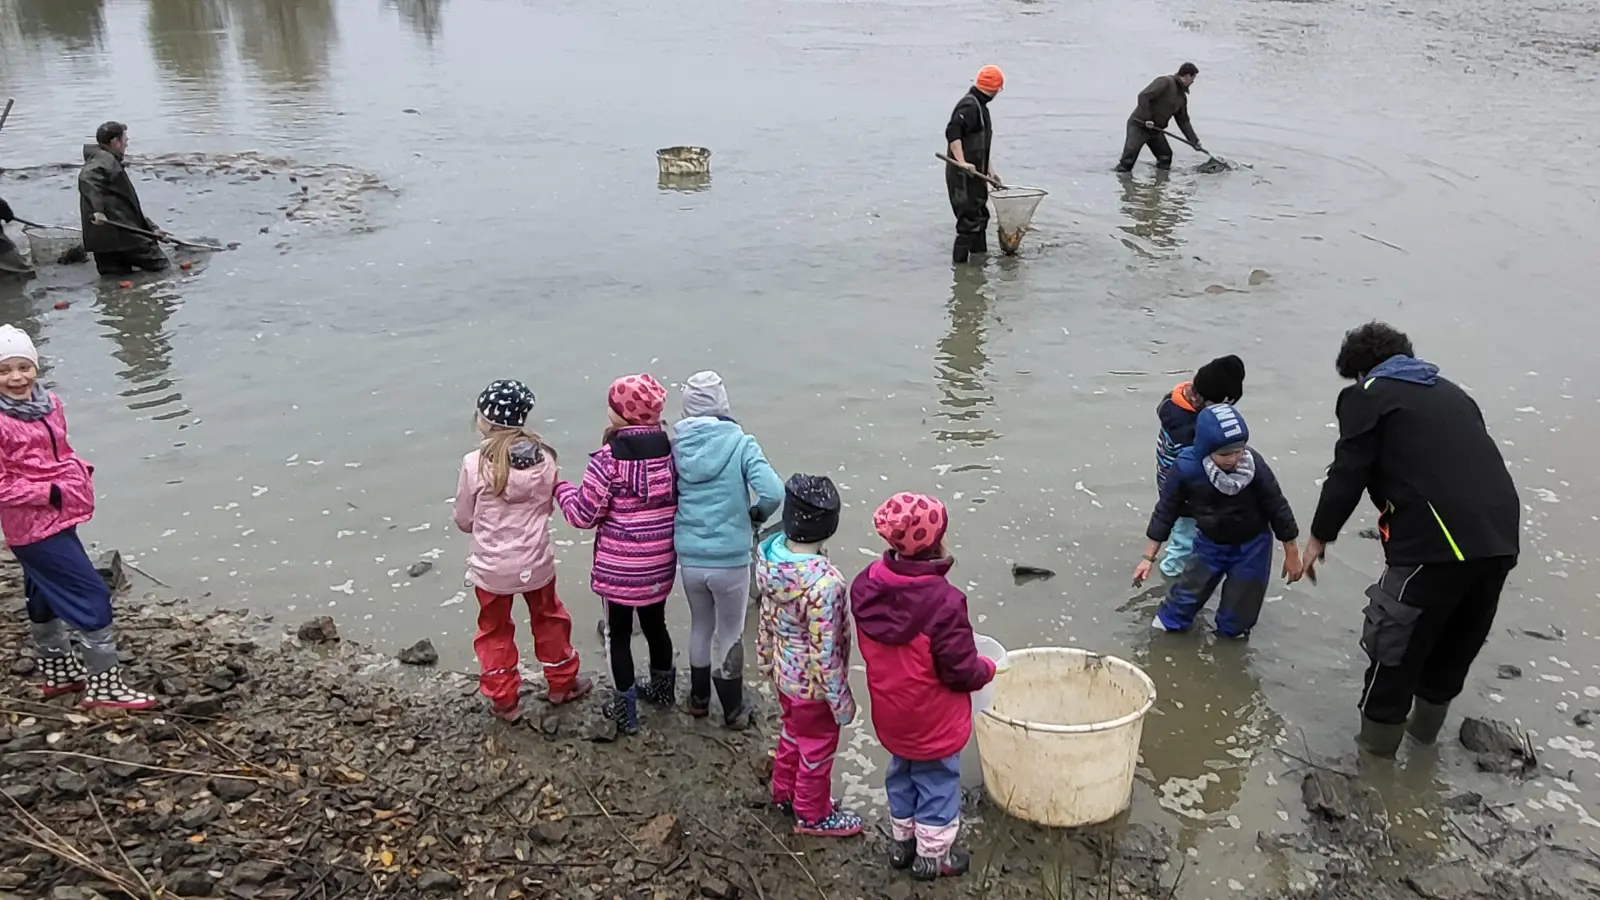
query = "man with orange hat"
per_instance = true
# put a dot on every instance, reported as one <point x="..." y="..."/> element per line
<point x="969" y="134"/>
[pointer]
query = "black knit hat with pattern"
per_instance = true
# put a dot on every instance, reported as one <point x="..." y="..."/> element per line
<point x="810" y="508"/>
<point x="506" y="403"/>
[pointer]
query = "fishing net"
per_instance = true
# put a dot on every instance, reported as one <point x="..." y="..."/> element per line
<point x="53" y="245"/>
<point x="1214" y="165"/>
<point x="1013" y="213"/>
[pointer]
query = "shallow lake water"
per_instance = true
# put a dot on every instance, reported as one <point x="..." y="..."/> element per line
<point x="431" y="195"/>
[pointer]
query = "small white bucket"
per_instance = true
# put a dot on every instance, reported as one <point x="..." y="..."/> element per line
<point x="1060" y="744"/>
<point x="989" y="649"/>
<point x="47" y="244"/>
<point x="684" y="161"/>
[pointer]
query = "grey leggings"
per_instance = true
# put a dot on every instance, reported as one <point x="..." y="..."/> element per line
<point x="717" y="599"/>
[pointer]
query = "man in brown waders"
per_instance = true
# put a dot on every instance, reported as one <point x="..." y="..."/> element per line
<point x="1166" y="98"/>
<point x="969" y="134"/>
<point x="107" y="200"/>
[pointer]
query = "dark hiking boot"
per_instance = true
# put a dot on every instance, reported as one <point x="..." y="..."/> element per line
<point x="107" y="690"/>
<point x="699" y="691"/>
<point x="662" y="689"/>
<point x="1380" y="739"/>
<point x="737" y="710"/>
<point x="839" y="823"/>
<point x="624" y="710"/>
<point x="902" y="853"/>
<point x="952" y="865"/>
<point x="62" y="675"/>
<point x="1426" y="720"/>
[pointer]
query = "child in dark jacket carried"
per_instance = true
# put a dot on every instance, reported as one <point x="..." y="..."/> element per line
<point x="922" y="668"/>
<point x="1218" y="381"/>
<point x="1238" y="508"/>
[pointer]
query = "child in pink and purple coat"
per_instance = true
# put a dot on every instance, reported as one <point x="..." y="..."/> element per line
<point x="629" y="496"/>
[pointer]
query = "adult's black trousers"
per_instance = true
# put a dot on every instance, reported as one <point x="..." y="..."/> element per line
<point x="1423" y="628"/>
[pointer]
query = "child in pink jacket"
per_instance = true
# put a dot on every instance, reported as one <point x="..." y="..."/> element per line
<point x="46" y="492"/>
<point x="803" y="645"/>
<point x="504" y="499"/>
<point x="922" y="668"/>
<point x="629" y="496"/>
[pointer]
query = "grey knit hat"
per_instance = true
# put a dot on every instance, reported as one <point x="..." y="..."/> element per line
<point x="704" y="395"/>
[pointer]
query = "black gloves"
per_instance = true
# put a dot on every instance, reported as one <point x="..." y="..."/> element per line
<point x="6" y="215"/>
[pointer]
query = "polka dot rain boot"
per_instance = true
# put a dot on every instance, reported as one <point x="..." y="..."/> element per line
<point x="62" y="675"/>
<point x="107" y="690"/>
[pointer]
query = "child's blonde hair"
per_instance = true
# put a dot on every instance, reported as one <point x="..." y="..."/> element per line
<point x="494" y="455"/>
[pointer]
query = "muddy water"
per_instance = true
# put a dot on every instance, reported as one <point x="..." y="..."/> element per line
<point x="279" y="427"/>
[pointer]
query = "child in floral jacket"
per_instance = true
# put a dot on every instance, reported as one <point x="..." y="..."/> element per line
<point x="804" y="646"/>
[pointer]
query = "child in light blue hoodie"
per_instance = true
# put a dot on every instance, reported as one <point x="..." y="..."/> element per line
<point x="719" y="466"/>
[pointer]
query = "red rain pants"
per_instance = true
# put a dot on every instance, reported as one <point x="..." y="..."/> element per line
<point x="496" y="644"/>
<point x="803" y="770"/>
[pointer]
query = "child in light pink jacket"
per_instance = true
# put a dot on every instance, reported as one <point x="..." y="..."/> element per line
<point x="504" y="499"/>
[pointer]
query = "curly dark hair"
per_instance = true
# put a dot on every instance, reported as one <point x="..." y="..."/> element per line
<point x="1367" y="345"/>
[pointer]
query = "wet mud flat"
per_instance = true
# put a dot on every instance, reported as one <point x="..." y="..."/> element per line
<point x="289" y="764"/>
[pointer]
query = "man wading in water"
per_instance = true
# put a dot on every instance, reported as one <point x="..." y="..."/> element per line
<point x="1165" y="99"/>
<point x="106" y="199"/>
<point x="12" y="265"/>
<point x="969" y="134"/>
<point x="1449" y="519"/>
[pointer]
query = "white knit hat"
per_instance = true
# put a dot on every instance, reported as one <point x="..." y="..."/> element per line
<point x="704" y="395"/>
<point x="15" y="344"/>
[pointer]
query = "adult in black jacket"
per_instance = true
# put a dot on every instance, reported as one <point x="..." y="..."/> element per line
<point x="1449" y="517"/>
<point x="107" y="200"/>
<point x="969" y="135"/>
<point x="1165" y="99"/>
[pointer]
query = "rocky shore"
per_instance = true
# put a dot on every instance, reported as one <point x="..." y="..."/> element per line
<point x="290" y="764"/>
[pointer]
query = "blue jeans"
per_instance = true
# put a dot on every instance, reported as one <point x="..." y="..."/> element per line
<point x="1242" y="570"/>
<point x="1180" y="545"/>
<point x="928" y="793"/>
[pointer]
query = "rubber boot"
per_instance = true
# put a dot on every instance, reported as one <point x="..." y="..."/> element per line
<point x="624" y="710"/>
<point x="737" y="711"/>
<point x="980" y="242"/>
<point x="952" y="865"/>
<point x="63" y="673"/>
<point x="1380" y="739"/>
<point x="902" y="853"/>
<point x="107" y="690"/>
<point x="662" y="689"/>
<point x="961" y="252"/>
<point x="699" y="691"/>
<point x="1426" y="720"/>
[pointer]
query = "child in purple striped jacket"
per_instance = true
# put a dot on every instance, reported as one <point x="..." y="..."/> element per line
<point x="629" y="496"/>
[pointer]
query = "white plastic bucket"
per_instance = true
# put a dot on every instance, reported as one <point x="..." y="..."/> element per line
<point x="684" y="161"/>
<point x="989" y="648"/>
<point x="47" y="244"/>
<point x="1060" y="742"/>
<point x="1013" y="213"/>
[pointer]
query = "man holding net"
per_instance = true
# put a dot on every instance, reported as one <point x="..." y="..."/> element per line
<point x="1166" y="98"/>
<point x="969" y="134"/>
